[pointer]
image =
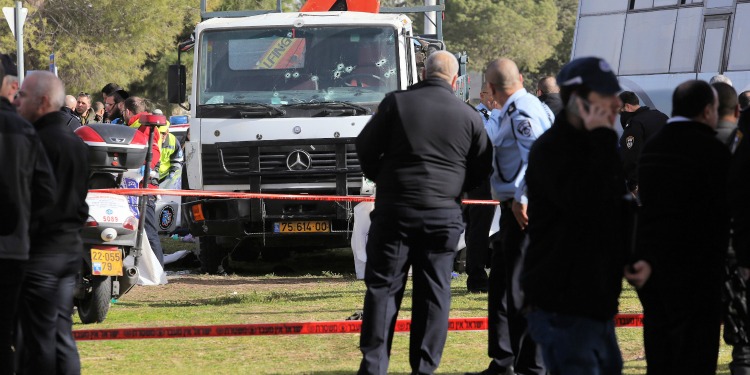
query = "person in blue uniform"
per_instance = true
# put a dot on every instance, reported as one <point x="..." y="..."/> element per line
<point x="478" y="217"/>
<point x="421" y="156"/>
<point x="512" y="129"/>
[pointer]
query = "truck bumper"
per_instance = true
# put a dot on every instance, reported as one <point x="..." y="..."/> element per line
<point x="262" y="219"/>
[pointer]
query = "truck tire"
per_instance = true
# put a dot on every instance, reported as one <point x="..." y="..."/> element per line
<point x="213" y="257"/>
<point x="93" y="307"/>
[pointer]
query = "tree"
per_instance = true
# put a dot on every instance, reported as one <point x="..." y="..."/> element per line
<point x="566" y="22"/>
<point x="522" y="30"/>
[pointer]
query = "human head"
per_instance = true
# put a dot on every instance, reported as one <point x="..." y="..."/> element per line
<point x="729" y="108"/>
<point x="41" y="93"/>
<point x="70" y="102"/>
<point x="132" y="106"/>
<point x="696" y="100"/>
<point x="98" y="107"/>
<point x="108" y="89"/>
<point x="504" y="79"/>
<point x="591" y="79"/>
<point x="630" y="101"/>
<point x="744" y="100"/>
<point x="547" y="85"/>
<point x="442" y="65"/>
<point x="111" y="102"/>
<point x="720" y="78"/>
<point x="83" y="104"/>
<point x="9" y="87"/>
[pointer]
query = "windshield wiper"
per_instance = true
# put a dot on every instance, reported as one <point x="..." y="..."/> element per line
<point x="333" y="108"/>
<point x="253" y="110"/>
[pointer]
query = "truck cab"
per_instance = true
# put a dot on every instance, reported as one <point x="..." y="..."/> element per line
<point x="277" y="101"/>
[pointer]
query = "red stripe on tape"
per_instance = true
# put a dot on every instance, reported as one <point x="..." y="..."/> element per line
<point x="303" y="328"/>
<point x="230" y="194"/>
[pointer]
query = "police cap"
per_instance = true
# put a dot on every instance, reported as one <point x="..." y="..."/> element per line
<point x="591" y="72"/>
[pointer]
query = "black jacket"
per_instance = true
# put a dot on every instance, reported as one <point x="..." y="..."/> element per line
<point x="27" y="183"/>
<point x="739" y="186"/>
<point x="6" y="105"/>
<point x="553" y="101"/>
<point x="684" y="221"/>
<point x="71" y="119"/>
<point x="424" y="147"/>
<point x="637" y="128"/>
<point x="577" y="215"/>
<point x="58" y="229"/>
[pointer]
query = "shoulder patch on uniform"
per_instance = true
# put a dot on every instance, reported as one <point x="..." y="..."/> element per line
<point x="512" y="107"/>
<point x="629" y="141"/>
<point x="524" y="128"/>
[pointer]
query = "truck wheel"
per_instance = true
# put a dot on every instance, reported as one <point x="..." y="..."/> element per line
<point x="211" y="256"/>
<point x="93" y="307"/>
<point x="275" y="254"/>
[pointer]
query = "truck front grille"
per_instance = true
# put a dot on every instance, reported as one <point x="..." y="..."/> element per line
<point x="304" y="163"/>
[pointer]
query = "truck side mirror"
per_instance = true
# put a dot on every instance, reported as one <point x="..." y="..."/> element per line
<point x="176" y="88"/>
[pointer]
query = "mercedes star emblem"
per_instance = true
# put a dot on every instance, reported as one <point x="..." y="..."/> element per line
<point x="298" y="160"/>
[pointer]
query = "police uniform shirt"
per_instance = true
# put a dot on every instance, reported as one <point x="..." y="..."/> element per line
<point x="484" y="111"/>
<point x="512" y="130"/>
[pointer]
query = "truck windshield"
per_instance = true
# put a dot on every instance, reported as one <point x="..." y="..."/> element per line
<point x="297" y="65"/>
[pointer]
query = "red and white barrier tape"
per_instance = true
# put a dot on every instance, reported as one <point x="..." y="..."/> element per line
<point x="303" y="328"/>
<point x="230" y="194"/>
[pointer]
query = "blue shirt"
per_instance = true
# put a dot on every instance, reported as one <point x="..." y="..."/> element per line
<point x="485" y="112"/>
<point x="512" y="130"/>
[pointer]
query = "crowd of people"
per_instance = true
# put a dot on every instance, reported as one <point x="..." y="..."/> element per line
<point x="45" y="180"/>
<point x="582" y="208"/>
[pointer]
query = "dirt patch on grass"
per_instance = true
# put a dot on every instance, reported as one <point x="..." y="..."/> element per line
<point x="208" y="286"/>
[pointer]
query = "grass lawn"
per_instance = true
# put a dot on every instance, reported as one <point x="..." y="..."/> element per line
<point x="316" y="287"/>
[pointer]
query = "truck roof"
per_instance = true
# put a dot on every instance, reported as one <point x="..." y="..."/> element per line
<point x="312" y="18"/>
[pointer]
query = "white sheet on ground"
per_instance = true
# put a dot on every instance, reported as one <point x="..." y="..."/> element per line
<point x="149" y="269"/>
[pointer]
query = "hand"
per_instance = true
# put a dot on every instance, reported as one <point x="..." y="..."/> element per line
<point x="596" y="116"/>
<point x="744" y="272"/>
<point x="519" y="211"/>
<point x="638" y="273"/>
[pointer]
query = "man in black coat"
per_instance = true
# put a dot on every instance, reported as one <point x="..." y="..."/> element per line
<point x="574" y="263"/>
<point x="683" y="232"/>
<point x="548" y="93"/>
<point x="27" y="184"/>
<point x="56" y="246"/>
<point x="639" y="124"/>
<point x="423" y="148"/>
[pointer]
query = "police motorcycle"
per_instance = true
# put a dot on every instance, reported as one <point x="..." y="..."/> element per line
<point x="113" y="232"/>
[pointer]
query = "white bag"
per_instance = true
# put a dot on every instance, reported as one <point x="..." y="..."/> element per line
<point x="359" y="236"/>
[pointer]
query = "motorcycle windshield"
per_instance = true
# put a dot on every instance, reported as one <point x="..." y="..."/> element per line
<point x="288" y="65"/>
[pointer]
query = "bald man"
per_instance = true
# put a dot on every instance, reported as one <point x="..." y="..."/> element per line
<point x="423" y="148"/>
<point x="55" y="256"/>
<point x="512" y="128"/>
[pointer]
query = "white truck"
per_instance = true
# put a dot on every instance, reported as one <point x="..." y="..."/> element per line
<point x="654" y="45"/>
<point x="277" y="101"/>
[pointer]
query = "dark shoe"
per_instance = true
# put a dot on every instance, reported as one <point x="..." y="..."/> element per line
<point x="477" y="290"/>
<point x="489" y="371"/>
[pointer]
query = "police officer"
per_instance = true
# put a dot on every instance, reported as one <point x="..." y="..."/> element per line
<point x="478" y="218"/>
<point x="512" y="129"/>
<point x="420" y="171"/>
<point x="639" y="123"/>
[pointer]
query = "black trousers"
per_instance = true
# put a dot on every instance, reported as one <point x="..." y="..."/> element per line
<point x="46" y="315"/>
<point x="682" y="320"/>
<point x="509" y="343"/>
<point x="11" y="276"/>
<point x="478" y="219"/>
<point x="152" y="229"/>
<point x="426" y="240"/>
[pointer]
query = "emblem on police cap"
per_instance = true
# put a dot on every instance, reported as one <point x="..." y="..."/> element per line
<point x="629" y="142"/>
<point x="604" y="66"/>
<point x="524" y="128"/>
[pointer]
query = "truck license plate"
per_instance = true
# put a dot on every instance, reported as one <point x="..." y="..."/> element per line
<point x="106" y="262"/>
<point x="302" y="227"/>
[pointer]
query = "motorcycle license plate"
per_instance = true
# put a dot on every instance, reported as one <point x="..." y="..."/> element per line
<point x="302" y="227"/>
<point x="106" y="262"/>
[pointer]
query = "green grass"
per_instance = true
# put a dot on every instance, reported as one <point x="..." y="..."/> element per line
<point x="321" y="288"/>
